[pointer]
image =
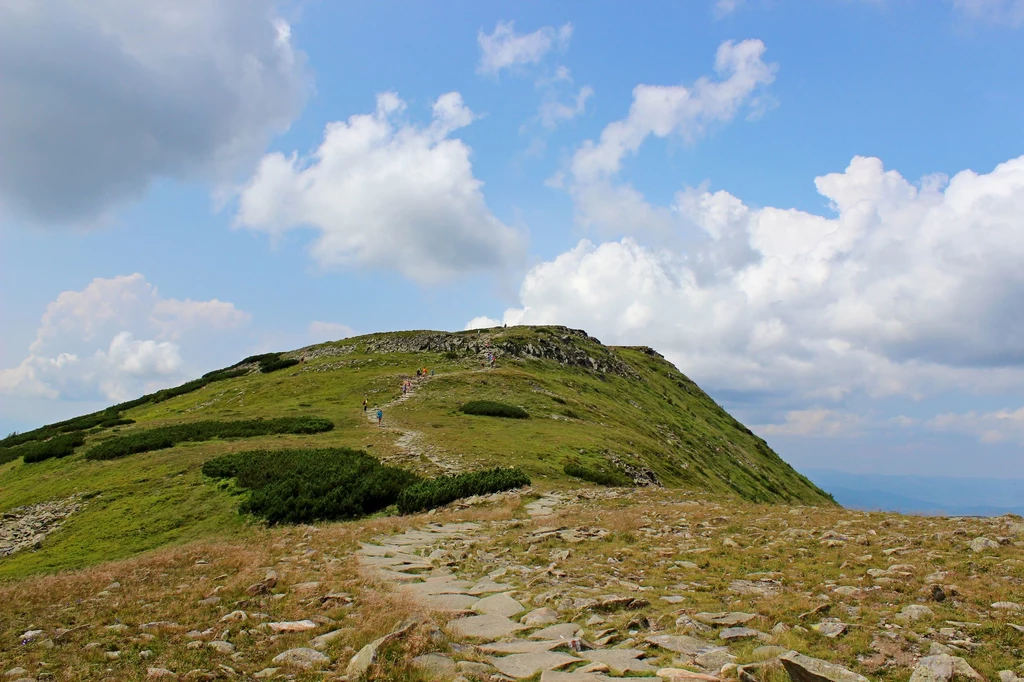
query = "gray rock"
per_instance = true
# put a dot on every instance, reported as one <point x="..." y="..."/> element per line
<point x="221" y="647"/>
<point x="715" y="659"/>
<point x="981" y="544"/>
<point x="366" y="656"/>
<point x="737" y="634"/>
<point x="437" y="665"/>
<point x="562" y="631"/>
<point x="159" y="673"/>
<point x="266" y="673"/>
<point x="914" y="612"/>
<point x="289" y="626"/>
<point x="830" y="629"/>
<point x="806" y="669"/>
<point x="304" y="658"/>
<point x="680" y="644"/>
<point x="519" y="646"/>
<point x="620" y="661"/>
<point x="320" y="643"/>
<point x="498" y="605"/>
<point x="527" y="665"/>
<point x="484" y="627"/>
<point x="541" y="616"/>
<point x="729" y="619"/>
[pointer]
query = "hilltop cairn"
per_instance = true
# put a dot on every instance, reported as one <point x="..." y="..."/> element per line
<point x="571" y="347"/>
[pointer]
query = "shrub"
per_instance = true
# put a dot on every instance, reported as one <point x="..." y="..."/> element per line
<point x="169" y="436"/>
<point x="58" y="446"/>
<point x="595" y="475"/>
<point x="489" y="408"/>
<point x="444" y="489"/>
<point x="275" y="365"/>
<point x="302" y="486"/>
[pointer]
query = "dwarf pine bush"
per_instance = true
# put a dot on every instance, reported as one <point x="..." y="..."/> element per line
<point x="596" y="475"/>
<point x="169" y="436"/>
<point x="303" y="486"/>
<point x="490" y="408"/>
<point x="445" y="489"/>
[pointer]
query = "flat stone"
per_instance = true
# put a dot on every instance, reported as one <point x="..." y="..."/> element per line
<point x="221" y="647"/>
<point x="304" y="658"/>
<point x="683" y="675"/>
<point x="528" y="665"/>
<point x="737" y="634"/>
<point x="446" y="585"/>
<point x="620" y="661"/>
<point x="265" y="674"/>
<point x="680" y="644"/>
<point x="943" y="668"/>
<point x="541" y="616"/>
<point x="562" y="631"/>
<point x="485" y="627"/>
<point x="806" y="669"/>
<point x="158" y="673"/>
<point x="489" y="586"/>
<point x="519" y="646"/>
<point x="830" y="629"/>
<point x="715" y="659"/>
<point x="499" y="605"/>
<point x="450" y="602"/>
<point x="291" y="626"/>
<point x="913" y="612"/>
<point x="728" y="619"/>
<point x="321" y="642"/>
<point x="436" y="665"/>
<point x="555" y="676"/>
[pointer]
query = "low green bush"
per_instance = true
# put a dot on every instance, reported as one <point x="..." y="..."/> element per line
<point x="303" y="486"/>
<point x="444" y="489"/>
<point x="57" y="446"/>
<point x="607" y="477"/>
<point x="490" y="408"/>
<point x="169" y="436"/>
<point x="275" y="365"/>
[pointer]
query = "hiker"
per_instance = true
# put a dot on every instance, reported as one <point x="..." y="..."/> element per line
<point x="380" y="416"/>
<point x="431" y="372"/>
<point x="418" y="371"/>
<point x="364" y="404"/>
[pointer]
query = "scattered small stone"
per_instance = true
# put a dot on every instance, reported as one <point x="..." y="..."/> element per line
<point x="304" y="658"/>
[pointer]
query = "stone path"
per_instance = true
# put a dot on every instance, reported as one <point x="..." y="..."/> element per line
<point x="493" y="617"/>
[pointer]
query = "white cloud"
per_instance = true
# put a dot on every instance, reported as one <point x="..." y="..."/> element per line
<point x="906" y="291"/>
<point x="102" y="98"/>
<point x="726" y="7"/>
<point x="814" y="422"/>
<point x="506" y="49"/>
<point x="86" y="347"/>
<point x="386" y="194"/>
<point x="1008" y="12"/>
<point x="988" y="427"/>
<point x="482" y="322"/>
<point x="553" y="111"/>
<point x="663" y="110"/>
<point x="321" y="332"/>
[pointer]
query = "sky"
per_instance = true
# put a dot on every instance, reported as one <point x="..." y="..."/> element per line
<point x="814" y="209"/>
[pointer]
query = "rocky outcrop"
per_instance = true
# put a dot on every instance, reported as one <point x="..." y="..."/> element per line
<point x="28" y="526"/>
<point x="571" y="347"/>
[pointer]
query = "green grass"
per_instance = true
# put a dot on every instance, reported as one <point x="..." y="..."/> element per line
<point x="170" y="435"/>
<point x="657" y="419"/>
<point x="601" y="476"/>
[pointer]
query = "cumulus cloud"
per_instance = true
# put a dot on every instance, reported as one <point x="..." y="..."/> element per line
<point x="101" y="98"/>
<point x="87" y="346"/>
<point x="321" y="332"/>
<point x="1008" y="12"/>
<point x="388" y="194"/>
<point x="814" y="422"/>
<point x="724" y="8"/>
<point x="905" y="290"/>
<point x="988" y="427"/>
<point x="506" y="49"/>
<point x="482" y="322"/>
<point x="553" y="111"/>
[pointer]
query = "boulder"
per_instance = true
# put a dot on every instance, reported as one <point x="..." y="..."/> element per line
<point x="806" y="669"/>
<point x="304" y="658"/>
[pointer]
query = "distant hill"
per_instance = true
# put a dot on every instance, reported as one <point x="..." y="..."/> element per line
<point x="923" y="494"/>
<point x="620" y="415"/>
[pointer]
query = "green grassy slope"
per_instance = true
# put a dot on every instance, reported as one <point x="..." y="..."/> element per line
<point x="588" y="403"/>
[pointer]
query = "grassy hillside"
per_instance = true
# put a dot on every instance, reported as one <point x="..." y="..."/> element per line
<point x="621" y="410"/>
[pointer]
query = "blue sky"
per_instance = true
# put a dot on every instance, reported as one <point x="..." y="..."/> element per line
<point x="815" y="209"/>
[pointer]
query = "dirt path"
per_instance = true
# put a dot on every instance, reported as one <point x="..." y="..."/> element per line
<point x="410" y="441"/>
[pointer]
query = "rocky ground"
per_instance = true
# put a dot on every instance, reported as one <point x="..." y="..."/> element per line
<point x="574" y="586"/>
<point x="26" y="527"/>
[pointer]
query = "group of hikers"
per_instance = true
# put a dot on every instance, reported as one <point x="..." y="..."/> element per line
<point x="406" y="388"/>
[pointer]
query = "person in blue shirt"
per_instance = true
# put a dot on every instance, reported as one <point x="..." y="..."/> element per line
<point x="380" y="417"/>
